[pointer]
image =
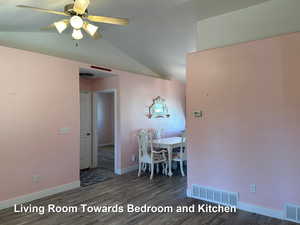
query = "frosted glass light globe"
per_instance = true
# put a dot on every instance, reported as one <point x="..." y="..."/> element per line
<point x="77" y="34"/>
<point x="76" y="22"/>
<point x="92" y="29"/>
<point x="60" y="26"/>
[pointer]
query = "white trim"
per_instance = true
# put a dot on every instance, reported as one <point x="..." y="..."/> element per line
<point x="37" y="195"/>
<point x="94" y="131"/>
<point x="285" y="212"/>
<point x="106" y="144"/>
<point x="278" y="214"/>
<point x="95" y="134"/>
<point x="127" y="170"/>
<point x="261" y="210"/>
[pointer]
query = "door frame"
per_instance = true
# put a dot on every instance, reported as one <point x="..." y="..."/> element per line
<point x="95" y="132"/>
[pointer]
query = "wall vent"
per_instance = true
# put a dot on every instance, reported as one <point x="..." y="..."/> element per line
<point x="292" y="212"/>
<point x="214" y="195"/>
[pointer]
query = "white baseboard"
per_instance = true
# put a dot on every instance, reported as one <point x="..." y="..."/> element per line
<point x="127" y="170"/>
<point x="104" y="145"/>
<point x="278" y="214"/>
<point x="261" y="210"/>
<point x="37" y="195"/>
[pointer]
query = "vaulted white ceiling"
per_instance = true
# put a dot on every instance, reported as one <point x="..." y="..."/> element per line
<point x="160" y="33"/>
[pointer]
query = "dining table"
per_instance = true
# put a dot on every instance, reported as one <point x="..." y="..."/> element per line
<point x="169" y="143"/>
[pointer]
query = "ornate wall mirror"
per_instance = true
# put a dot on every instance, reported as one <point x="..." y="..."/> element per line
<point x="158" y="109"/>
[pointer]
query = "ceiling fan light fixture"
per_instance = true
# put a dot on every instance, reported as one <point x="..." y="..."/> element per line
<point x="77" y="34"/>
<point x="78" y="15"/>
<point x="92" y="29"/>
<point x="76" y="22"/>
<point x="60" y="26"/>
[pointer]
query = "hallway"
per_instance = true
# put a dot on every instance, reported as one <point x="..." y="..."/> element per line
<point x="104" y="171"/>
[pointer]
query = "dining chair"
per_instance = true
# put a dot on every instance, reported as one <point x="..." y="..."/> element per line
<point x="149" y="156"/>
<point x="181" y="156"/>
<point x="159" y="133"/>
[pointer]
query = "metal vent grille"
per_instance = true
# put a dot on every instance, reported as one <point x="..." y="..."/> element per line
<point x="210" y="195"/>
<point x="233" y="199"/>
<point x="217" y="196"/>
<point x="195" y="191"/>
<point x="292" y="213"/>
<point x="214" y="195"/>
<point x="203" y="193"/>
<point x="225" y="198"/>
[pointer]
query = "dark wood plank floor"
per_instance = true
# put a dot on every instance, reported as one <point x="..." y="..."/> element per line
<point x="131" y="189"/>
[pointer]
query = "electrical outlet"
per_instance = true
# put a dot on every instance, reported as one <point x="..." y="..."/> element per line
<point x="36" y="179"/>
<point x="252" y="188"/>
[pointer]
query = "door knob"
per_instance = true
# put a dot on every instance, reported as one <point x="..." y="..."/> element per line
<point x="88" y="134"/>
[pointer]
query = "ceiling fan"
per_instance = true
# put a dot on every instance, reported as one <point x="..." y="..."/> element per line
<point x="78" y="11"/>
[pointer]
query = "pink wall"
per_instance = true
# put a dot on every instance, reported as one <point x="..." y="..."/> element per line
<point x="134" y="95"/>
<point x="250" y="135"/>
<point x="108" y="83"/>
<point x="105" y="123"/>
<point x="85" y="84"/>
<point x="39" y="95"/>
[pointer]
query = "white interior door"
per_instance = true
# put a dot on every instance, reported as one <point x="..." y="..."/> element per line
<point x="85" y="130"/>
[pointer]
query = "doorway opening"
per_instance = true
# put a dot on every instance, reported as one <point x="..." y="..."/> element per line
<point x="105" y="130"/>
<point x="98" y="136"/>
<point x="99" y="149"/>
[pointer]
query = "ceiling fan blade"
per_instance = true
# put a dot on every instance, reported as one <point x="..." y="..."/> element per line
<point x="111" y="20"/>
<point x="50" y="27"/>
<point x="97" y="36"/>
<point x="80" y="6"/>
<point x="43" y="10"/>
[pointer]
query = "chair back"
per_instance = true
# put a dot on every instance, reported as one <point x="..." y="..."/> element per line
<point x="143" y="142"/>
<point x="158" y="133"/>
<point x="183" y="145"/>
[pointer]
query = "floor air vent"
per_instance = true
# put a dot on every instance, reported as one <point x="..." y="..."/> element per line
<point x="292" y="213"/>
<point x="214" y="195"/>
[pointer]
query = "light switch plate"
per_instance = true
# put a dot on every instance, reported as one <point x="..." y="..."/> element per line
<point x="198" y="114"/>
<point x="252" y="188"/>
